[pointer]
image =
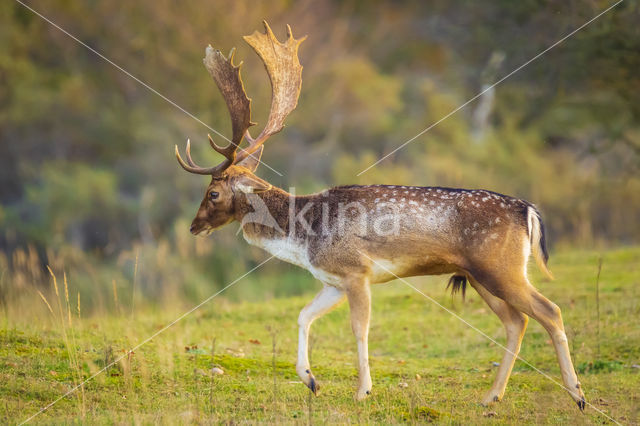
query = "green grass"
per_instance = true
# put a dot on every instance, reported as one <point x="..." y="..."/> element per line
<point x="167" y="379"/>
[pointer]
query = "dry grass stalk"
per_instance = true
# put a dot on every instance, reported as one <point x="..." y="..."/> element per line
<point x="66" y="297"/>
<point x="70" y="344"/>
<point x="46" y="302"/>
<point x="133" y="289"/>
<point x="115" y="295"/>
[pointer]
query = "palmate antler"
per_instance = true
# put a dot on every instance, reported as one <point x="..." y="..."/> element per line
<point x="285" y="74"/>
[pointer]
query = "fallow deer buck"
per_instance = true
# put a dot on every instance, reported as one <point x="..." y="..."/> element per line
<point x="353" y="236"/>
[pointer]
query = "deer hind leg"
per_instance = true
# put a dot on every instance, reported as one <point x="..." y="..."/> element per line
<point x="524" y="297"/>
<point x="324" y="301"/>
<point x="359" y="296"/>
<point x="515" y="324"/>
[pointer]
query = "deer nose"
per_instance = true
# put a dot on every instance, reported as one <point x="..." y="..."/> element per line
<point x="192" y="228"/>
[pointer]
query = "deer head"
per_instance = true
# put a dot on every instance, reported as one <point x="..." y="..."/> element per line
<point x="235" y="175"/>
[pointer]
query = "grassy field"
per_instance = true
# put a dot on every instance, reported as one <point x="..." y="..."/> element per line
<point x="426" y="364"/>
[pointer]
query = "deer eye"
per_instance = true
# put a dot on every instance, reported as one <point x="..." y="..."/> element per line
<point x="213" y="195"/>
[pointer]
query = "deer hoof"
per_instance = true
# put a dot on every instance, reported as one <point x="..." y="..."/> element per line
<point x="313" y="385"/>
<point x="581" y="403"/>
<point x="490" y="399"/>
<point x="360" y="395"/>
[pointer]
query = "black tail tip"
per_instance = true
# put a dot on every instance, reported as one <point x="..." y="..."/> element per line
<point x="543" y="239"/>
<point x="458" y="283"/>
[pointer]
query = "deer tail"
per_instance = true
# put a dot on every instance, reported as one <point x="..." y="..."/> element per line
<point x="537" y="239"/>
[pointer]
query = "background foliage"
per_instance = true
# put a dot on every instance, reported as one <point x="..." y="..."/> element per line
<point x="89" y="184"/>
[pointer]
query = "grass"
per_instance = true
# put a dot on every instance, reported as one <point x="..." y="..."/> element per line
<point x="445" y="365"/>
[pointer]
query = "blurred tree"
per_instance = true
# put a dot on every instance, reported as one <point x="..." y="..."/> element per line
<point x="86" y="152"/>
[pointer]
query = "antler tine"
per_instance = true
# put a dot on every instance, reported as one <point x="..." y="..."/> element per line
<point x="285" y="73"/>
<point x="188" y="151"/>
<point x="228" y="151"/>
<point x="192" y="167"/>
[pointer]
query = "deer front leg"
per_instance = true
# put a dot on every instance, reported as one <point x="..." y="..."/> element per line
<point x="359" y="296"/>
<point x="324" y="301"/>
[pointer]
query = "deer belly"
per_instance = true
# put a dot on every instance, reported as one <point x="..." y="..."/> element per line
<point x="383" y="270"/>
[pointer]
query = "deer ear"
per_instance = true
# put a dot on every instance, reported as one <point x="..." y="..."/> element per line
<point x="250" y="184"/>
<point x="252" y="161"/>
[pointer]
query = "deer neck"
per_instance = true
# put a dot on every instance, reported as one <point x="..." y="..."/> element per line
<point x="264" y="216"/>
<point x="266" y="220"/>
